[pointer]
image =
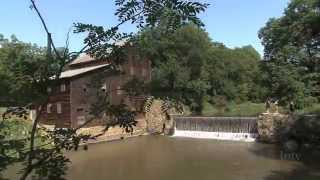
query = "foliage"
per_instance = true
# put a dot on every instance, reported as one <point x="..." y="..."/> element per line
<point x="179" y="60"/>
<point x="23" y="67"/>
<point x="27" y="70"/>
<point x="284" y="83"/>
<point x="13" y="133"/>
<point x="304" y="130"/>
<point x="122" y="116"/>
<point x="135" y="87"/>
<point x="292" y="47"/>
<point x="234" y="73"/>
<point x="189" y="67"/>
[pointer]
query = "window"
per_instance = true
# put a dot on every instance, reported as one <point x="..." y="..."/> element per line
<point x="81" y="120"/>
<point x="144" y="72"/>
<point x="131" y="70"/>
<point x="49" y="106"/>
<point x="59" y="108"/>
<point x="49" y="90"/>
<point x="79" y="109"/>
<point x="104" y="88"/>
<point x="84" y="87"/>
<point x="63" y="87"/>
<point x="120" y="68"/>
<point x="119" y="91"/>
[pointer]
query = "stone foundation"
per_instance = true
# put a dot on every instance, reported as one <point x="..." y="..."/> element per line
<point x="155" y="118"/>
<point x="169" y="125"/>
<point x="114" y="133"/>
<point x="270" y="126"/>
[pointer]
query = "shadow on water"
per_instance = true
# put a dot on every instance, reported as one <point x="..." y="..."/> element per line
<point x="307" y="164"/>
<point x="298" y="173"/>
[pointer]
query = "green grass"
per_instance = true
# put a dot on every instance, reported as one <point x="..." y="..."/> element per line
<point x="313" y="109"/>
<point x="232" y="109"/>
<point x="15" y="128"/>
<point x="251" y="109"/>
<point x="19" y="129"/>
<point x="2" y="110"/>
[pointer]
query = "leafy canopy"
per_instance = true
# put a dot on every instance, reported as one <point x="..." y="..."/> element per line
<point x="292" y="44"/>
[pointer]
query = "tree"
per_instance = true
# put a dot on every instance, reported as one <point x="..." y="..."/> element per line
<point x="233" y="72"/>
<point x="179" y="62"/>
<point x="50" y="163"/>
<point x="188" y="65"/>
<point x="284" y="83"/>
<point x="22" y="65"/>
<point x="294" y="40"/>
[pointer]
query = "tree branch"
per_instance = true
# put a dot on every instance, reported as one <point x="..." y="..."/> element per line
<point x="45" y="27"/>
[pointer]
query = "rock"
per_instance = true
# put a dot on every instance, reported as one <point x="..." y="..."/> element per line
<point x="270" y="126"/>
<point x="155" y="118"/>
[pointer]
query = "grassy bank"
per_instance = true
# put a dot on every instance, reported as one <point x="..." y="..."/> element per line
<point x="2" y="110"/>
<point x="313" y="109"/>
<point x="233" y="109"/>
<point x="250" y="109"/>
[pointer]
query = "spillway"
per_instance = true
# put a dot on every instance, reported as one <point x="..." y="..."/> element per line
<point x="221" y="128"/>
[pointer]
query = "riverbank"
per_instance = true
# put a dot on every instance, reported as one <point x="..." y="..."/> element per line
<point x="248" y="109"/>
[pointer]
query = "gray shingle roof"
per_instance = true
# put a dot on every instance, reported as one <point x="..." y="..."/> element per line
<point x="83" y="58"/>
<point x="75" y="72"/>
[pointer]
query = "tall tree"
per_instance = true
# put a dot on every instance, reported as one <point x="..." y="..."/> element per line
<point x="23" y="67"/>
<point x="179" y="60"/>
<point x="189" y="65"/>
<point x="233" y="71"/>
<point x="294" y="40"/>
<point x="50" y="163"/>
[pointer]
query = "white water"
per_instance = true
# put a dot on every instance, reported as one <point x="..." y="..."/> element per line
<point x="246" y="137"/>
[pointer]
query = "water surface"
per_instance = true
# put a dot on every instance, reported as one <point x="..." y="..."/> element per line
<point x="167" y="158"/>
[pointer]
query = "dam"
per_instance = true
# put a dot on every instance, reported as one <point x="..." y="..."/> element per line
<point x="220" y="128"/>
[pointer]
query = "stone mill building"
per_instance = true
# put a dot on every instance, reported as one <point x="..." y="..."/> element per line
<point x="83" y="83"/>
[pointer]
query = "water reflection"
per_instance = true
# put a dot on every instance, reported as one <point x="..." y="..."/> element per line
<point x="158" y="158"/>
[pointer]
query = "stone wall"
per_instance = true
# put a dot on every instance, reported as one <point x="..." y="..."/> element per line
<point x="170" y="125"/>
<point x="115" y="133"/>
<point x="90" y="89"/>
<point x="155" y="117"/>
<point x="158" y="120"/>
<point x="57" y="96"/>
<point x="270" y="126"/>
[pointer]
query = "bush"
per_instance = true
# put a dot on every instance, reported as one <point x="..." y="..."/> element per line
<point x="220" y="102"/>
<point x="310" y="101"/>
<point x="2" y="110"/>
<point x="305" y="130"/>
<point x="209" y="109"/>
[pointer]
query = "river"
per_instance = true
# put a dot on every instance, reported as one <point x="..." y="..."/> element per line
<point x="168" y="158"/>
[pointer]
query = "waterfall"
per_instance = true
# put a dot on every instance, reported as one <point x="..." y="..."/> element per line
<point x="221" y="128"/>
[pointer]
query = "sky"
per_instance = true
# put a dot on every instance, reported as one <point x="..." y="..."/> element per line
<point x="233" y="22"/>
